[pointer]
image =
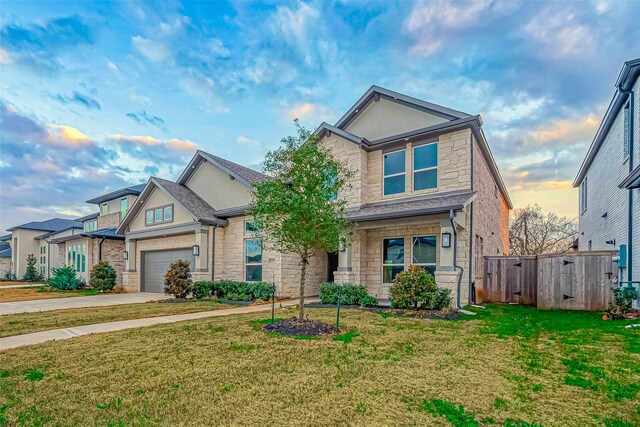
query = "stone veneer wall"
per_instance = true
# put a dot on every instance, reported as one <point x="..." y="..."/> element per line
<point x="355" y="160"/>
<point x="112" y="253"/>
<point x="109" y="221"/>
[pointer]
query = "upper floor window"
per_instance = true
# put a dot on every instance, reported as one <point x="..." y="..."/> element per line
<point x="91" y="225"/>
<point x="104" y="209"/>
<point x="394" y="172"/>
<point x="626" y="131"/>
<point x="159" y="215"/>
<point x="124" y="204"/>
<point x="392" y="258"/>
<point x="583" y="196"/>
<point x="250" y="227"/>
<point x="425" y="166"/>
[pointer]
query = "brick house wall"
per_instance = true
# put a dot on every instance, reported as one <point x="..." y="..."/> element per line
<point x="111" y="220"/>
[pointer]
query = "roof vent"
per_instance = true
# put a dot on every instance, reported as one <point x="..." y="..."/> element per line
<point x="604" y="215"/>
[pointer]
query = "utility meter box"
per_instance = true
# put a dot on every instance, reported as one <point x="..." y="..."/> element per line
<point x="622" y="259"/>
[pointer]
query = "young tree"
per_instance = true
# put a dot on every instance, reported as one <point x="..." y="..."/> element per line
<point x="532" y="232"/>
<point x="31" y="274"/>
<point x="103" y="276"/>
<point x="296" y="209"/>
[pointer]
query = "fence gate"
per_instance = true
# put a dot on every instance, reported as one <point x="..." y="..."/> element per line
<point x="571" y="280"/>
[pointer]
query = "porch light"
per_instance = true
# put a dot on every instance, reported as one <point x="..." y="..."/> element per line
<point x="125" y="255"/>
<point x="196" y="250"/>
<point x="341" y="246"/>
<point x="446" y="240"/>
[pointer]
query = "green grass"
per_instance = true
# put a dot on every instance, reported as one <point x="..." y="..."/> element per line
<point x="507" y="366"/>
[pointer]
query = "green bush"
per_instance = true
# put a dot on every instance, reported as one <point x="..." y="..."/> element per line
<point x="203" y="289"/>
<point x="623" y="297"/>
<point x="177" y="279"/>
<point x="64" y="278"/>
<point x="102" y="276"/>
<point x="262" y="291"/>
<point x="350" y="294"/>
<point x="31" y="274"/>
<point x="416" y="288"/>
<point x="232" y="296"/>
<point x="242" y="291"/>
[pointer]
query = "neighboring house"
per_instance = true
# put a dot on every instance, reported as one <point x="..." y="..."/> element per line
<point x="423" y="174"/>
<point x="5" y="256"/>
<point x="28" y="239"/>
<point x="609" y="178"/>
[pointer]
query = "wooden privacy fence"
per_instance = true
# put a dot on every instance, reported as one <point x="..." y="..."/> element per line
<point x="570" y="281"/>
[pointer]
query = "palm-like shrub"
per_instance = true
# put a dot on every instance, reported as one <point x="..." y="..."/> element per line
<point x="102" y="276"/>
<point x="65" y="278"/>
<point x="177" y="279"/>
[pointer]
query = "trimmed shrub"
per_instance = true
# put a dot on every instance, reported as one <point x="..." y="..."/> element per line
<point x="102" y="276"/>
<point x="31" y="274"/>
<point x="64" y="278"/>
<point x="416" y="288"/>
<point x="232" y="296"/>
<point x="242" y="291"/>
<point x="177" y="279"/>
<point x="262" y="291"/>
<point x="351" y="294"/>
<point x="203" y="289"/>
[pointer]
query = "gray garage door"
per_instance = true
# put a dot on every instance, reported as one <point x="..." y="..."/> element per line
<point x="156" y="265"/>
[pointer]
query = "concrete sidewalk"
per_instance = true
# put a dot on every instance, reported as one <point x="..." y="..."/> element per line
<point x="26" y="285"/>
<point x="66" y="333"/>
<point x="103" y="300"/>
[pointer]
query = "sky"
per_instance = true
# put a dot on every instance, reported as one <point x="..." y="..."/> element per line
<point x="96" y="96"/>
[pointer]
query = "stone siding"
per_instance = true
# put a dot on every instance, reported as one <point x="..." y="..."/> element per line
<point x="355" y="160"/>
<point x="111" y="220"/>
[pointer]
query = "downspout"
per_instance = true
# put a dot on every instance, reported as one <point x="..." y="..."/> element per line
<point x="213" y="253"/>
<point x="630" y="212"/>
<point x="455" y="260"/>
<point x="472" y="284"/>
<point x="100" y="249"/>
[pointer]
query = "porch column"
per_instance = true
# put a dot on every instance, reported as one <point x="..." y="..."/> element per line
<point x="202" y="260"/>
<point x="130" y="262"/>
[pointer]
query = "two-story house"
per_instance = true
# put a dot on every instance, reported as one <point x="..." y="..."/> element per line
<point x="609" y="178"/>
<point x="426" y="191"/>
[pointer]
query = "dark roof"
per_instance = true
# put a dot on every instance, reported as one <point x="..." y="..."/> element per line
<point x="242" y="173"/>
<point x="5" y="237"/>
<point x="134" y="189"/>
<point x="413" y="206"/>
<point x="200" y="209"/>
<point x="88" y="217"/>
<point x="633" y="180"/>
<point x="5" y="250"/>
<point x="107" y="233"/>
<point x="628" y="75"/>
<point x="53" y="224"/>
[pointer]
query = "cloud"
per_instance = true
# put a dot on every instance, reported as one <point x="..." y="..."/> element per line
<point x="152" y="50"/>
<point x="144" y="118"/>
<point x="39" y="45"/>
<point x="309" y="110"/>
<point x="80" y="99"/>
<point x="250" y="143"/>
<point x="296" y="27"/>
<point x="560" y="33"/>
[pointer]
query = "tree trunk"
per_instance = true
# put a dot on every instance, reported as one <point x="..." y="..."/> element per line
<point x="303" y="278"/>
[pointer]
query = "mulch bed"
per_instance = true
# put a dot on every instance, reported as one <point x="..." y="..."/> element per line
<point x="421" y="314"/>
<point x="293" y="327"/>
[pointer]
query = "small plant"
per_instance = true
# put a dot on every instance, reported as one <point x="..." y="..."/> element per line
<point x="102" y="276"/>
<point x="623" y="297"/>
<point x="416" y="288"/>
<point x="368" y="301"/>
<point x="349" y="294"/>
<point x="64" y="278"/>
<point x="262" y="291"/>
<point x="203" y="289"/>
<point x="177" y="279"/>
<point x="9" y="276"/>
<point x="31" y="274"/>
<point x="242" y="291"/>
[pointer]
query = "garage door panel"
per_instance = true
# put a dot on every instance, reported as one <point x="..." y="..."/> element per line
<point x="157" y="263"/>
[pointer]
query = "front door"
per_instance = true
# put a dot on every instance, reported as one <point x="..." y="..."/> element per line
<point x="332" y="265"/>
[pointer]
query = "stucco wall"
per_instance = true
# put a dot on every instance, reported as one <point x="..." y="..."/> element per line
<point x="156" y="199"/>
<point x="5" y="266"/>
<point x="386" y="118"/>
<point x="23" y="244"/>
<point x="217" y="188"/>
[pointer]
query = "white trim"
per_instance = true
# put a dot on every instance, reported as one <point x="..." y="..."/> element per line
<point x="382" y="257"/>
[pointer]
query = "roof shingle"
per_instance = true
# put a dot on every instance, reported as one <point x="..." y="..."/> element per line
<point x="53" y="224"/>
<point x="187" y="198"/>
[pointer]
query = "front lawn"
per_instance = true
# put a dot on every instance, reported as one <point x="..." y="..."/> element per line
<point x="41" y="292"/>
<point x="26" y="323"/>
<point x="509" y="366"/>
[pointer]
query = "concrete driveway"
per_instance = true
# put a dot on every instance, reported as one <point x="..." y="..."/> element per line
<point x="78" y="302"/>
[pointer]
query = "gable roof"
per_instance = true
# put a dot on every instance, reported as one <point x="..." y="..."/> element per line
<point x="199" y="209"/>
<point x="627" y="77"/>
<point x="242" y="173"/>
<point x="376" y="92"/>
<point x="134" y="189"/>
<point x="5" y="250"/>
<point x="53" y="224"/>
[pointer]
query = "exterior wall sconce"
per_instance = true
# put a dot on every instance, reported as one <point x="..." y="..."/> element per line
<point x="125" y="255"/>
<point x="611" y="242"/>
<point x="446" y="240"/>
<point x="341" y="246"/>
<point x="196" y="250"/>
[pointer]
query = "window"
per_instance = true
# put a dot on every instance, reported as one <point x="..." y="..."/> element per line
<point x="425" y="166"/>
<point x="91" y="225"/>
<point x="104" y="209"/>
<point x="626" y="132"/>
<point x="424" y="253"/>
<point x="250" y="227"/>
<point x="392" y="258"/>
<point x="583" y="196"/>
<point x="394" y="166"/>
<point x="43" y="259"/>
<point x="77" y="257"/>
<point x="124" y="203"/>
<point x="253" y="260"/>
<point x="159" y="215"/>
